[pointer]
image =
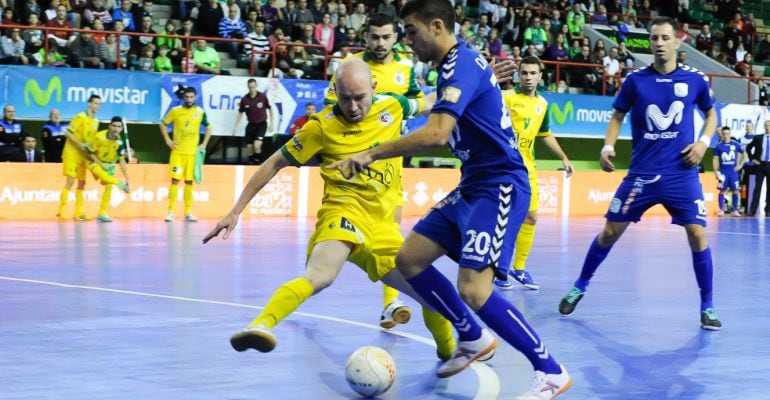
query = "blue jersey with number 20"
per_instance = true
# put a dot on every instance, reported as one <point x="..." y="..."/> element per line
<point x="483" y="138"/>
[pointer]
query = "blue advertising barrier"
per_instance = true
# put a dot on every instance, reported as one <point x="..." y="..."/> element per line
<point x="36" y="90"/>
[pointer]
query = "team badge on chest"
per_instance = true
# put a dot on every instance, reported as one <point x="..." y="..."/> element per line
<point x="681" y="89"/>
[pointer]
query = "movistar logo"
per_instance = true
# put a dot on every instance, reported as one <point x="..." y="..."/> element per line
<point x="561" y="116"/>
<point x="656" y="118"/>
<point x="40" y="96"/>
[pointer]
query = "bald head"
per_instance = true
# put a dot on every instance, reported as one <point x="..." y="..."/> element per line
<point x="354" y="86"/>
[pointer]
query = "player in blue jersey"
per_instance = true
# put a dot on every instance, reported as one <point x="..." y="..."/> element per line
<point x="477" y="223"/>
<point x="727" y="162"/>
<point x="665" y="152"/>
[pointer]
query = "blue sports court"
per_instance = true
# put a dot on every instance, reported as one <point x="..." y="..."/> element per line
<point x="140" y="309"/>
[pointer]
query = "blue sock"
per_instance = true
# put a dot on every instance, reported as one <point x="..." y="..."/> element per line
<point x="439" y="292"/>
<point x="503" y="318"/>
<point x="736" y="204"/>
<point x="704" y="269"/>
<point x="596" y="254"/>
<point x="721" y="198"/>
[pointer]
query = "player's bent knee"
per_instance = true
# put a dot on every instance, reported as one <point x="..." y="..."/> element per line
<point x="474" y="295"/>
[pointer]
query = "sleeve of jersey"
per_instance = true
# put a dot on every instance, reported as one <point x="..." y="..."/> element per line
<point x="625" y="98"/>
<point x="456" y="91"/>
<point x="705" y="99"/>
<point x="75" y="124"/>
<point x="410" y="107"/>
<point x="305" y="144"/>
<point x="545" y="126"/>
<point x="169" y="117"/>
<point x="205" y="120"/>
<point x="414" y="90"/>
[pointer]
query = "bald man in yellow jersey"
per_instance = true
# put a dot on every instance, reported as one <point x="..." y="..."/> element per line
<point x="356" y="219"/>
<point x="529" y="114"/>
<point x="392" y="74"/>
<point x="75" y="156"/>
<point x="105" y="149"/>
<point x="187" y="119"/>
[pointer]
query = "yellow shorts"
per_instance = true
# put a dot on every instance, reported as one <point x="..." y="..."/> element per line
<point x="534" y="201"/>
<point x="181" y="166"/>
<point x="376" y="243"/>
<point x="74" y="166"/>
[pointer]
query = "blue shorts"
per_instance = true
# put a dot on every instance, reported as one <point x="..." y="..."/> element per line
<point x="731" y="181"/>
<point x="478" y="229"/>
<point x="681" y="195"/>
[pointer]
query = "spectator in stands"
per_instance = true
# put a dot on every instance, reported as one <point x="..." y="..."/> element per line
<point x="483" y="21"/>
<point x="734" y="29"/>
<point x="547" y="28"/>
<point x="96" y="10"/>
<point x="749" y="28"/>
<point x="715" y="52"/>
<point x="600" y="16"/>
<point x="138" y="43"/>
<point x="277" y="36"/>
<point x="270" y="13"/>
<point x="318" y="9"/>
<point x="124" y="14"/>
<point x="231" y="27"/>
<point x="536" y="37"/>
<point x="209" y="15"/>
<point x="557" y="51"/>
<point x="33" y="38"/>
<point x="62" y="37"/>
<point x="173" y="45"/>
<point x="8" y="17"/>
<point x="625" y="56"/>
<point x="162" y="62"/>
<point x="763" y="94"/>
<point x="142" y="10"/>
<point x="260" y="43"/>
<point x="336" y="60"/>
<point x="84" y="52"/>
<point x="684" y="34"/>
<point x="516" y="53"/>
<point x="613" y="7"/>
<point x="576" y="10"/>
<point x="252" y="16"/>
<point x="11" y="131"/>
<point x="187" y="29"/>
<point x="108" y="51"/>
<point x="304" y="16"/>
<point x="206" y="59"/>
<point x="12" y="49"/>
<point x="98" y="34"/>
<point x="644" y="13"/>
<point x="681" y="57"/>
<point x="479" y="41"/>
<point x="579" y="75"/>
<point x="50" y="12"/>
<point x="763" y="50"/>
<point x="557" y="24"/>
<point x="53" y="58"/>
<point x="288" y="17"/>
<point x="358" y="19"/>
<point x="353" y="39"/>
<point x="340" y="32"/>
<point x="28" y="7"/>
<point x="312" y="56"/>
<point x="630" y="8"/>
<point x="388" y="8"/>
<point x="495" y="44"/>
<point x="740" y="52"/>
<point x="704" y="40"/>
<point x="302" y="120"/>
<point x="53" y="134"/>
<point x="575" y="49"/>
<point x="575" y="26"/>
<point x="146" y="62"/>
<point x="731" y="51"/>
<point x="324" y="33"/>
<point x="183" y="8"/>
<point x="123" y="40"/>
<point x="745" y="68"/>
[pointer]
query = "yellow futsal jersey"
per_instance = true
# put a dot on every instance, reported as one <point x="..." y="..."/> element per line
<point x="375" y="192"/>
<point x="187" y="127"/>
<point x="396" y="77"/>
<point x="106" y="149"/>
<point x="82" y="128"/>
<point x="530" y="120"/>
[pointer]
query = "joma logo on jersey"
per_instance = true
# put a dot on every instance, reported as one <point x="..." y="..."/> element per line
<point x="353" y="132"/>
<point x="346" y="225"/>
<point x="657" y="120"/>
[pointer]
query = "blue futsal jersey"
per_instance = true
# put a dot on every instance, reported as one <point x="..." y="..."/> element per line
<point x="662" y="116"/>
<point x="728" y="156"/>
<point x="483" y="138"/>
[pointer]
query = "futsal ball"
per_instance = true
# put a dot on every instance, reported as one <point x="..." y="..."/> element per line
<point x="370" y="371"/>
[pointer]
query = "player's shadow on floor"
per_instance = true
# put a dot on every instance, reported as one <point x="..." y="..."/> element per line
<point x="414" y="386"/>
<point x="644" y="375"/>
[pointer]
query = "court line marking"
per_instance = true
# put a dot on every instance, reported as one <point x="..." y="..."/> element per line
<point x="489" y="381"/>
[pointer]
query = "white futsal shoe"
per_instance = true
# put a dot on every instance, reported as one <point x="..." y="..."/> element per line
<point x="467" y="352"/>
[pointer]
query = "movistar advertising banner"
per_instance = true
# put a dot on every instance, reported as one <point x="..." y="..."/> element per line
<point x="580" y="115"/>
<point x="36" y="90"/>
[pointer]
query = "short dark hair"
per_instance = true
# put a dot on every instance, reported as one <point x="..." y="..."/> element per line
<point x="116" y="119"/>
<point x="93" y="97"/>
<point x="665" y="21"/>
<point x="724" y="127"/>
<point x="189" y="89"/>
<point x="428" y="10"/>
<point x="380" y="19"/>
<point x="532" y="60"/>
<point x="251" y="80"/>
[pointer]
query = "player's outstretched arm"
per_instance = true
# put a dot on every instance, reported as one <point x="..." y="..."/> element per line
<point x="693" y="153"/>
<point x="434" y="134"/>
<point x="553" y="146"/>
<point x="264" y="174"/>
<point x="610" y="138"/>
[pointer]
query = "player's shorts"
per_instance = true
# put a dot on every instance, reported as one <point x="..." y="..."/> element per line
<point x="255" y="131"/>
<point x="74" y="166"/>
<point x="681" y="195"/>
<point x="534" y="202"/>
<point x="730" y="182"/>
<point x="181" y="166"/>
<point x="478" y="229"/>
<point x="376" y="243"/>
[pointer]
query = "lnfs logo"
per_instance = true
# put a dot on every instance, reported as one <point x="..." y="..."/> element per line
<point x="561" y="116"/>
<point x="42" y="97"/>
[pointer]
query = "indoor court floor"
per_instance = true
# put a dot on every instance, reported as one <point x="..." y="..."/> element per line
<point x="140" y="309"/>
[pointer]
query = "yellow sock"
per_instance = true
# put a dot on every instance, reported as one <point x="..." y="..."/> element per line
<point x="188" y="196"/>
<point x="441" y="330"/>
<point x="173" y="191"/>
<point x="284" y="301"/>
<point x="63" y="197"/>
<point x="524" y="242"/>
<point x="78" y="202"/>
<point x="389" y="294"/>
<point x="106" y="196"/>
